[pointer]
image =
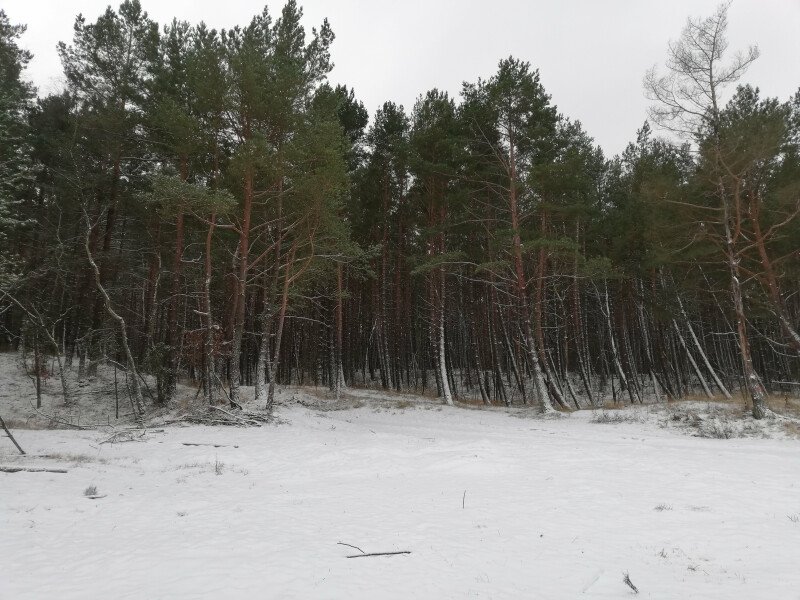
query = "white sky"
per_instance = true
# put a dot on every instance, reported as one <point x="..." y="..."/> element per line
<point x="592" y="54"/>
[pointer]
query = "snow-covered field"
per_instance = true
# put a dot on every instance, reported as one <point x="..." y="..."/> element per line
<point x="490" y="504"/>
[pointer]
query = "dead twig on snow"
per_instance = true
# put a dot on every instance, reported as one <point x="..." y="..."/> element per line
<point x="212" y="445"/>
<point x="380" y="554"/>
<point x="627" y="581"/>
<point x="125" y="436"/>
<point x="351" y="546"/>
<point x="363" y="554"/>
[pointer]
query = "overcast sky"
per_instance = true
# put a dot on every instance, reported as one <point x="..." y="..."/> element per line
<point x="591" y="54"/>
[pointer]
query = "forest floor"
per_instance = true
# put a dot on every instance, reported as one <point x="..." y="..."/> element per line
<point x="691" y="500"/>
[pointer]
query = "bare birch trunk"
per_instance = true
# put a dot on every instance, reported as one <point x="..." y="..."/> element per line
<point x="614" y="352"/>
<point x="446" y="393"/>
<point x="703" y="354"/>
<point x="138" y="400"/>
<point x="692" y="361"/>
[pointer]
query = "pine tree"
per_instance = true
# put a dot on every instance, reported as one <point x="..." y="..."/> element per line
<point x="107" y="67"/>
<point x="16" y="168"/>
<point x="522" y="125"/>
<point x="435" y="143"/>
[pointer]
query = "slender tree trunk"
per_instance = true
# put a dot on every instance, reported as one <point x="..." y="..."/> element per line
<point x="647" y="346"/>
<point x="241" y="288"/>
<point x="538" y="312"/>
<point x="614" y="352"/>
<point x="702" y="353"/>
<point x="447" y="395"/>
<point x="338" y="366"/>
<point x="151" y="291"/>
<point x="538" y="379"/>
<point x="208" y="363"/>
<point x="752" y="381"/>
<point x="37" y="368"/>
<point x="264" y="368"/>
<point x="167" y="388"/>
<point x="771" y="280"/>
<point x="279" y="332"/>
<point x="692" y="361"/>
<point x="138" y="400"/>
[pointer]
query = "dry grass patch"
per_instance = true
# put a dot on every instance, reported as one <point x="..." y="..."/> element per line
<point x="616" y="416"/>
<point x="403" y="404"/>
<point x="76" y="459"/>
<point x="609" y="404"/>
<point x="783" y="404"/>
<point x="716" y="398"/>
<point x="325" y="400"/>
<point x="719" y="421"/>
<point x="792" y="429"/>
<point x="217" y="467"/>
<point x="34" y="422"/>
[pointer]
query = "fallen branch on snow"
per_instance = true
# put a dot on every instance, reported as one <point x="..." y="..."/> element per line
<point x="220" y="416"/>
<point x="212" y="445"/>
<point x="380" y="554"/>
<point x="30" y="470"/>
<point x="226" y="417"/>
<point x="124" y="436"/>
<point x="228" y="413"/>
<point x="130" y="435"/>
<point x="363" y="554"/>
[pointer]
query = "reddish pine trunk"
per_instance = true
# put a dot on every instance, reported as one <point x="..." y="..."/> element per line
<point x="174" y="300"/>
<point x="281" y="321"/>
<point x="241" y="287"/>
<point x="771" y="280"/>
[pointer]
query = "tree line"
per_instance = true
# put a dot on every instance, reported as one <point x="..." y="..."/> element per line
<point x="203" y="205"/>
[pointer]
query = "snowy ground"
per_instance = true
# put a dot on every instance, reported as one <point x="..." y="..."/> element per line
<point x="488" y="504"/>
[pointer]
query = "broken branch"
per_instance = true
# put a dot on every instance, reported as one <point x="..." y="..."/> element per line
<point x="30" y="470"/>
<point x="380" y="554"/>
<point x="351" y="546"/>
<point x="11" y="437"/>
